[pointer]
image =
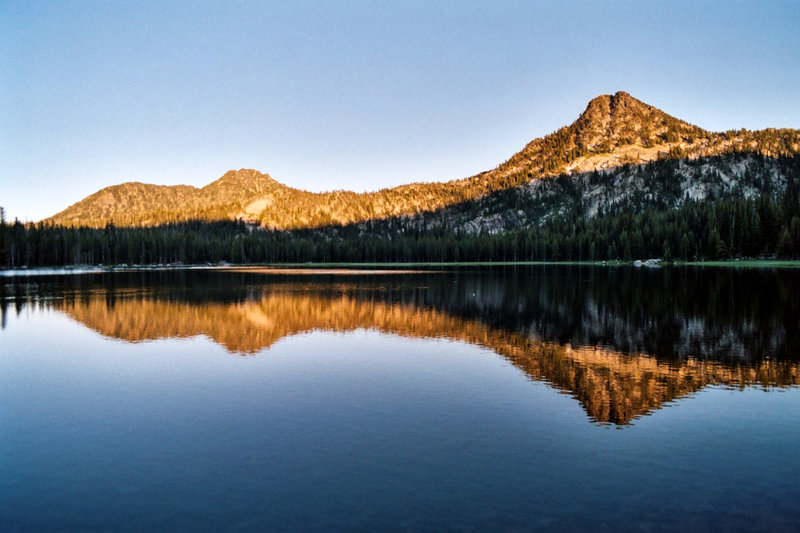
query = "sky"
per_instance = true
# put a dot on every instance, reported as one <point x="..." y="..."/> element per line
<point x="356" y="95"/>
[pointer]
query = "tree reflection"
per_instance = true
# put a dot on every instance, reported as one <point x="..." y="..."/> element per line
<point x="621" y="342"/>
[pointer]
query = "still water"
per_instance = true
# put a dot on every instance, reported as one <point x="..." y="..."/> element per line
<point x="520" y="398"/>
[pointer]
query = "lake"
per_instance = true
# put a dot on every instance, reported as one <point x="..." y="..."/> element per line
<point x="552" y="397"/>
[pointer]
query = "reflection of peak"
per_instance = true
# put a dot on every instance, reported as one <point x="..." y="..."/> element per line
<point x="612" y="387"/>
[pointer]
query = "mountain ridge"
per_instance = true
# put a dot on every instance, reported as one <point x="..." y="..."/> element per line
<point x="613" y="130"/>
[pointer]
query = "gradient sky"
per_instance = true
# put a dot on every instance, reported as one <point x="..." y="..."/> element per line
<point x="356" y="95"/>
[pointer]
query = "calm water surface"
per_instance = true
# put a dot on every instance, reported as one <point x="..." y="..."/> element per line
<point x="530" y="398"/>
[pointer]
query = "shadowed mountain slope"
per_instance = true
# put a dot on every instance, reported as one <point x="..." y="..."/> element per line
<point x="613" y="130"/>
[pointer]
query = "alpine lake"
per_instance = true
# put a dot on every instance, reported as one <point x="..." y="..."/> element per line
<point x="506" y="398"/>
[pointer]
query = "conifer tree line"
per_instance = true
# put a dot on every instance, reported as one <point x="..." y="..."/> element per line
<point x="725" y="228"/>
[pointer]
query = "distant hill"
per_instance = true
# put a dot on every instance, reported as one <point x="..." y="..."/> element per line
<point x="614" y="132"/>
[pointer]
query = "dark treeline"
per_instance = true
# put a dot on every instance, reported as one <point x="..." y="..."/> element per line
<point x="671" y="314"/>
<point x="720" y="229"/>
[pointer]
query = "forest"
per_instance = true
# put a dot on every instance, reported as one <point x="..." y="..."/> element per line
<point x="767" y="225"/>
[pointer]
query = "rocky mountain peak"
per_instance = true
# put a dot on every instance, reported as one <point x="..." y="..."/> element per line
<point x="244" y="177"/>
<point x="613" y="108"/>
<point x="620" y="119"/>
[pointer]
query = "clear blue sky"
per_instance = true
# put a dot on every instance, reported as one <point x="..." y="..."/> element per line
<point x="356" y="95"/>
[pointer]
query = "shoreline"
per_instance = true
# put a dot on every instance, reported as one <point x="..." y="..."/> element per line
<point x="375" y="268"/>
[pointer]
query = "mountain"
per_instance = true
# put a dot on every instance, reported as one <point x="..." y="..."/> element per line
<point x="615" y="131"/>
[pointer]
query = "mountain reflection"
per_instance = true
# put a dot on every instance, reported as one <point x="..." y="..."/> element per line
<point x="621" y="354"/>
